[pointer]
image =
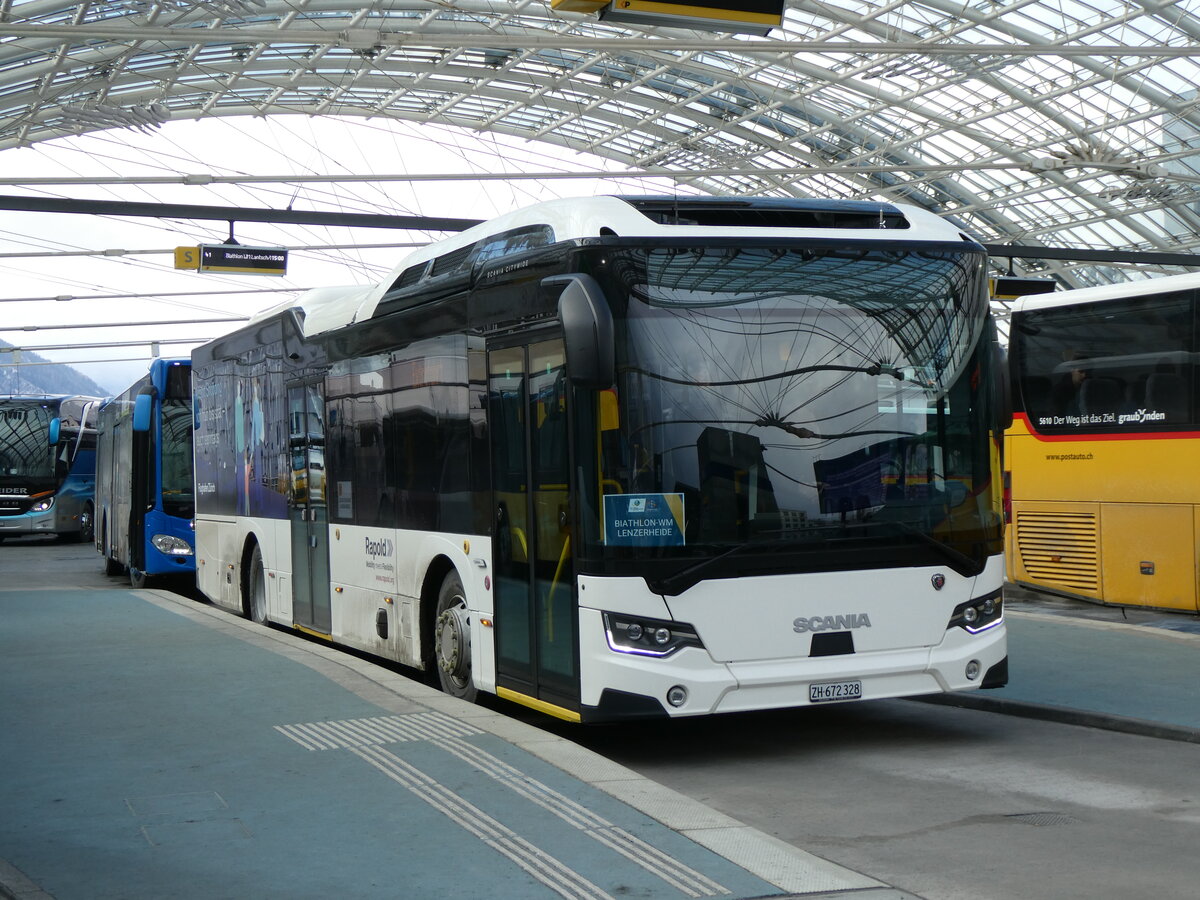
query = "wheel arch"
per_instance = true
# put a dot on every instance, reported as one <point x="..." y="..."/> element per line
<point x="248" y="544"/>
<point x="439" y="567"/>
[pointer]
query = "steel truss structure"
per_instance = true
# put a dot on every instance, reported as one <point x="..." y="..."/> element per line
<point x="1067" y="123"/>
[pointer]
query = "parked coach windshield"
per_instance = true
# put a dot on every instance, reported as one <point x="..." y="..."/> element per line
<point x="811" y="400"/>
<point x="26" y="457"/>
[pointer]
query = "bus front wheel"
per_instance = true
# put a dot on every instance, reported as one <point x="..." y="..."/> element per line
<point x="452" y="640"/>
<point x="255" y="604"/>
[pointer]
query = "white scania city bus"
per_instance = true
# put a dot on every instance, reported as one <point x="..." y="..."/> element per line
<point x="628" y="457"/>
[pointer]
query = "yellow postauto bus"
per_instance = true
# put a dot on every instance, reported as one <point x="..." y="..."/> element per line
<point x="1102" y="455"/>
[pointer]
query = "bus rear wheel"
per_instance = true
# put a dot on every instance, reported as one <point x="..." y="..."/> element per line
<point x="452" y="640"/>
<point x="87" y="527"/>
<point x="255" y="603"/>
<point x="111" y="566"/>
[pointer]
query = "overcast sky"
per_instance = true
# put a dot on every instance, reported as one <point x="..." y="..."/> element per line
<point x="281" y="145"/>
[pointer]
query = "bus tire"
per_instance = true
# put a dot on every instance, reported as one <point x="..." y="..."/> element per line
<point x="87" y="524"/>
<point x="452" y="640"/>
<point x="111" y="566"/>
<point x="254" y="603"/>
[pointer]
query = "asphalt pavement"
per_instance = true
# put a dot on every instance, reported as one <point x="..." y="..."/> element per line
<point x="155" y="747"/>
<point x="1079" y="663"/>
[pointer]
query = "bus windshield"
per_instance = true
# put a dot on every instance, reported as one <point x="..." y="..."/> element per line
<point x="26" y="458"/>
<point x="797" y="400"/>
<point x="177" y="496"/>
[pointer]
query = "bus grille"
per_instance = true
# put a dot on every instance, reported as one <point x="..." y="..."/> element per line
<point x="12" y="506"/>
<point x="1060" y="548"/>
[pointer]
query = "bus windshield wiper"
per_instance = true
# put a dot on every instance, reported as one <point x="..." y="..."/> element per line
<point x="961" y="563"/>
<point x="687" y="576"/>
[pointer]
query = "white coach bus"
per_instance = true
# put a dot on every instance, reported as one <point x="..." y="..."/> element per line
<point x="616" y="458"/>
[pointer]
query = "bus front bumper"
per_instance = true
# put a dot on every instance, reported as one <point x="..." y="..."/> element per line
<point x="627" y="686"/>
<point x="44" y="522"/>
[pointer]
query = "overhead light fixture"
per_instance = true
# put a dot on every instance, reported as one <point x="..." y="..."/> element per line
<point x="743" y="16"/>
<point x="1115" y="165"/>
<point x="103" y="115"/>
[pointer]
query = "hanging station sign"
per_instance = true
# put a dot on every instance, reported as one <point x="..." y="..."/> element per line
<point x="243" y="260"/>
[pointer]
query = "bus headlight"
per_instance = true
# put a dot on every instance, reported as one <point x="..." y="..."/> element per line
<point x="648" y="637"/>
<point x="979" y="614"/>
<point x="171" y="545"/>
<point x="42" y="505"/>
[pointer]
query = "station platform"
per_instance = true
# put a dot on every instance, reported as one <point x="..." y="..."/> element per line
<point x="156" y="747"/>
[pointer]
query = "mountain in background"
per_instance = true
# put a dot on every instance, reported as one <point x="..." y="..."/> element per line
<point x="52" y="378"/>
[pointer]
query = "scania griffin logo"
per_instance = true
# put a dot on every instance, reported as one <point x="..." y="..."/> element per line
<point x="380" y="548"/>
<point x="831" y="623"/>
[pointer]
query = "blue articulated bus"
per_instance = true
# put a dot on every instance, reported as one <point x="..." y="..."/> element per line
<point x="144" y="495"/>
<point x="47" y="465"/>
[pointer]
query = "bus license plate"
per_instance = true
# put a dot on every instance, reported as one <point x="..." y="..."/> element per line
<point x="830" y="691"/>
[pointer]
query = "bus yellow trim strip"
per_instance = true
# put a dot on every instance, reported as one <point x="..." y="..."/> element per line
<point x="540" y="705"/>
<point x="317" y="634"/>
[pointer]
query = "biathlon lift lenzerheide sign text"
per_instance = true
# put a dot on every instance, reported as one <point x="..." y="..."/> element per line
<point x="243" y="260"/>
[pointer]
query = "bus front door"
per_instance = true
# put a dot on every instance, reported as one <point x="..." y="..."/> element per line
<point x="309" y="515"/>
<point x="536" y="623"/>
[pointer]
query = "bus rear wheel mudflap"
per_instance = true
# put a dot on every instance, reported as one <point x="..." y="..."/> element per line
<point x="452" y="640"/>
<point x="111" y="566"/>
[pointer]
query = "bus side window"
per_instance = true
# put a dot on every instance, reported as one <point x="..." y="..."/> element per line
<point x="1166" y="392"/>
<point x="1101" y="395"/>
<point x="1036" y="396"/>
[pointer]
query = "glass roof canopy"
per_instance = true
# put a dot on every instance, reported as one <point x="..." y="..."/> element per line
<point x="1052" y="122"/>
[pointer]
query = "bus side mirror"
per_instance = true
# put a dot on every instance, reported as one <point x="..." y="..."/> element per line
<point x="142" y="404"/>
<point x="1002" y="388"/>
<point x="587" y="330"/>
<point x="55" y="431"/>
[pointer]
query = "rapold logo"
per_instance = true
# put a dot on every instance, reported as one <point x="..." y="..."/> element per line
<point x="380" y="549"/>
<point x="379" y="560"/>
